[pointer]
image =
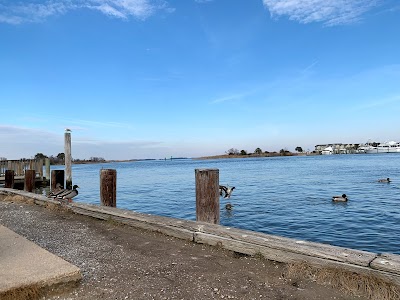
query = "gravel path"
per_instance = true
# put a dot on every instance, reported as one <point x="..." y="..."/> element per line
<point x="121" y="262"/>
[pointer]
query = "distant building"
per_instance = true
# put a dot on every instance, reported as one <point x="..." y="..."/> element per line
<point x="327" y="151"/>
<point x="337" y="148"/>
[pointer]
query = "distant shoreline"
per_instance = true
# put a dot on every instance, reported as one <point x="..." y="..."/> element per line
<point x="222" y="156"/>
<point x="252" y="155"/>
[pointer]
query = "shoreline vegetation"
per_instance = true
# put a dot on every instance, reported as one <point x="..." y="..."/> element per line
<point x="231" y="153"/>
<point x="253" y="155"/>
<point x="221" y="156"/>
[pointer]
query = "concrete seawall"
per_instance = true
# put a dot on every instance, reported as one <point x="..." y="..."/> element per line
<point x="384" y="267"/>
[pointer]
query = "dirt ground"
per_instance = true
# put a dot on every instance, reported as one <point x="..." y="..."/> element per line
<point x="121" y="262"/>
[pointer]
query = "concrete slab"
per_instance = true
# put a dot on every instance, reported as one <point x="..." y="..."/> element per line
<point x="24" y="264"/>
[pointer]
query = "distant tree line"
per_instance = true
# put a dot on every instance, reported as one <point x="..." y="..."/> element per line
<point x="259" y="151"/>
<point x="60" y="159"/>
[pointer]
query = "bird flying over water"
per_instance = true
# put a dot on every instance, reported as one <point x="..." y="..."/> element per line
<point x="227" y="190"/>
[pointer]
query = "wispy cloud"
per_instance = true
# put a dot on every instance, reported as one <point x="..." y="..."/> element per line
<point x="26" y="142"/>
<point x="83" y="124"/>
<point x="128" y="8"/>
<point x="310" y="67"/>
<point x="25" y="135"/>
<point x="75" y="124"/>
<point x="203" y="1"/>
<point x="229" y="98"/>
<point x="32" y="11"/>
<point x="329" y="12"/>
<point x="13" y="13"/>
<point x="127" y="144"/>
<point x="385" y="102"/>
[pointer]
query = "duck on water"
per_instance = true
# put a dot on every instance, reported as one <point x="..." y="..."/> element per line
<point x="228" y="206"/>
<point x="384" y="180"/>
<point x="342" y="198"/>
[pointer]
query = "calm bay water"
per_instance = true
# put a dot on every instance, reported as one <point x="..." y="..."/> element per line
<point x="287" y="196"/>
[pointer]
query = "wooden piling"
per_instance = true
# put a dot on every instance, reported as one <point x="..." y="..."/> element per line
<point x="29" y="183"/>
<point x="108" y="187"/>
<point x="39" y="167"/>
<point x="47" y="168"/>
<point x="68" y="159"/>
<point x="207" y="195"/>
<point x="9" y="179"/>
<point x="57" y="176"/>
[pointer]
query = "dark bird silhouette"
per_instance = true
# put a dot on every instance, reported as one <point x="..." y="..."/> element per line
<point x="228" y="206"/>
<point x="384" y="180"/>
<point x="342" y="198"/>
<point x="227" y="190"/>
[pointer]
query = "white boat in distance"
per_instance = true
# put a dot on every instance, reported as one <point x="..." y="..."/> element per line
<point x="387" y="147"/>
<point x="327" y="151"/>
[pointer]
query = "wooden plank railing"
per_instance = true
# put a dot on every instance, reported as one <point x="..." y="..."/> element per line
<point x="20" y="166"/>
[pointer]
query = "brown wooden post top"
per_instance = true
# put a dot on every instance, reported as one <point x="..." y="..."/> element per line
<point x="207" y="195"/>
<point x="29" y="183"/>
<point x="57" y="176"/>
<point x="108" y="187"/>
<point x="9" y="179"/>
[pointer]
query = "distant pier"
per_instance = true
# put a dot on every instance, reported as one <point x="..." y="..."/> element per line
<point x="20" y="168"/>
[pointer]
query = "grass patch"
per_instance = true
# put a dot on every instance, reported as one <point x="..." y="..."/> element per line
<point x="32" y="292"/>
<point x="352" y="283"/>
<point x="113" y="222"/>
<point x="259" y="255"/>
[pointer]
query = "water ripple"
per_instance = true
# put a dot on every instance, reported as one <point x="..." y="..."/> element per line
<point x="288" y="196"/>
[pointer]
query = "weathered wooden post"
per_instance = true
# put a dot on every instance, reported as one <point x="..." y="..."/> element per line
<point x="19" y="168"/>
<point x="207" y="195"/>
<point x="31" y="164"/>
<point x="9" y="179"/>
<point x="47" y="169"/>
<point x="68" y="158"/>
<point x="39" y="167"/>
<point x="29" y="183"/>
<point x="108" y="187"/>
<point x="57" y="176"/>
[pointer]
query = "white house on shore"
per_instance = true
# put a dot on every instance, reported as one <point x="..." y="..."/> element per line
<point x="327" y="151"/>
<point x="337" y="148"/>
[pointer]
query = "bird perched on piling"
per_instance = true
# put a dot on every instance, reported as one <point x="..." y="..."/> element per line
<point x="69" y="194"/>
<point x="384" y="180"/>
<point x="58" y="190"/>
<point x="227" y="190"/>
<point x="342" y="198"/>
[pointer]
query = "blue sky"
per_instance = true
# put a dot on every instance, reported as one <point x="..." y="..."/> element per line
<point x="154" y="79"/>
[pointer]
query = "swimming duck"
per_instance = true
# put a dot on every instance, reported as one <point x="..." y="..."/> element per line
<point x="69" y="194"/>
<point x="342" y="198"/>
<point x="227" y="189"/>
<point x="228" y="206"/>
<point x="57" y="190"/>
<point x="384" y="180"/>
